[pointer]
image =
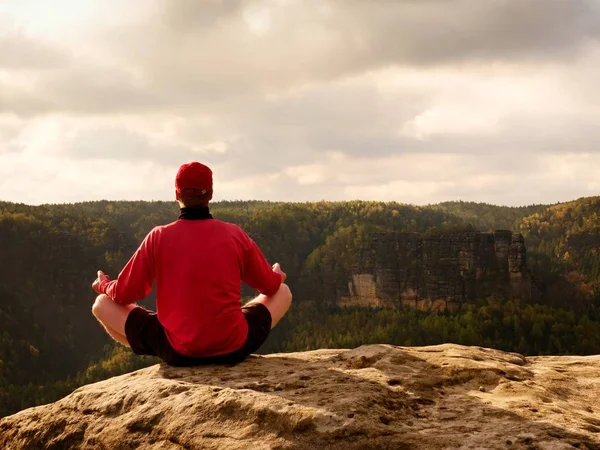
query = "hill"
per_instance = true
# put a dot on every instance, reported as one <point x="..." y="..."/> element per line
<point x="49" y="255"/>
<point x="486" y="217"/>
<point x="564" y="247"/>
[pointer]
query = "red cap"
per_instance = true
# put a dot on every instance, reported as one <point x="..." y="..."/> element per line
<point x="195" y="177"/>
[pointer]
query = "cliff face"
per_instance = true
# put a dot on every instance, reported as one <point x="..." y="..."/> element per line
<point x="439" y="272"/>
<point x="373" y="397"/>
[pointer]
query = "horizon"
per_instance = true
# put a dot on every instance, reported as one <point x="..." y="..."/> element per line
<point x="414" y="102"/>
<point x="221" y="201"/>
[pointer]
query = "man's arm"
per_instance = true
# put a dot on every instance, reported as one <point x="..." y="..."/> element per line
<point x="257" y="273"/>
<point x="135" y="280"/>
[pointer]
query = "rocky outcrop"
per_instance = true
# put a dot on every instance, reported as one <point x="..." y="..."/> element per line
<point x="373" y="397"/>
<point x="439" y="272"/>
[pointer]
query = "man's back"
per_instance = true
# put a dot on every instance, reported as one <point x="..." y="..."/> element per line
<point x="198" y="267"/>
<point x="198" y="264"/>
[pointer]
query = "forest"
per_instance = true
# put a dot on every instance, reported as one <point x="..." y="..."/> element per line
<point x="49" y="254"/>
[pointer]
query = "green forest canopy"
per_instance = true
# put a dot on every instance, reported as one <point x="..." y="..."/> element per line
<point x="49" y="255"/>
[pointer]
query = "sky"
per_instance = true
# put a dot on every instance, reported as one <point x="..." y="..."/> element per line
<point x="415" y="101"/>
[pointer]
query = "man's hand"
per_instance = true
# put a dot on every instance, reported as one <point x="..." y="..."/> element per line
<point x="277" y="269"/>
<point x="100" y="279"/>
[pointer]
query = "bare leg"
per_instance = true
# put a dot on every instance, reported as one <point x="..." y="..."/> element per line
<point x="112" y="316"/>
<point x="277" y="304"/>
<point x="120" y="338"/>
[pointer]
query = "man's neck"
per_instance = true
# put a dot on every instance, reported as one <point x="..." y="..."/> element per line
<point x="195" y="213"/>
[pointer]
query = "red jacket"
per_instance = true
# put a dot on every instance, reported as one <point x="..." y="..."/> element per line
<point x="198" y="266"/>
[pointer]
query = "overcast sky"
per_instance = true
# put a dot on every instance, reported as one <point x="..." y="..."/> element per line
<point x="417" y="101"/>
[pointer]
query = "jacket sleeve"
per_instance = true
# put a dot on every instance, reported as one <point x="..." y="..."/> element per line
<point x="137" y="277"/>
<point x="257" y="272"/>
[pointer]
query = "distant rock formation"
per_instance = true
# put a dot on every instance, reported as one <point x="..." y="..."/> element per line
<point x="373" y="397"/>
<point x="439" y="272"/>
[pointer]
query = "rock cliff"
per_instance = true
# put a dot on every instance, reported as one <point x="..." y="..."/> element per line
<point x="438" y="272"/>
<point x="373" y="397"/>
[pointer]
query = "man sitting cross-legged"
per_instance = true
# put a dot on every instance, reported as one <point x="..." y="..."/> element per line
<point x="198" y="263"/>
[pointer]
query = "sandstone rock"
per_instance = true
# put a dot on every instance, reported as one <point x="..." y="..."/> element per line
<point x="439" y="272"/>
<point x="373" y="397"/>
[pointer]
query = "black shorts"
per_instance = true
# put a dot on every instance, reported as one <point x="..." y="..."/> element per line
<point x="146" y="336"/>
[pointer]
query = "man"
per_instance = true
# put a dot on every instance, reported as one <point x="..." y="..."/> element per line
<point x="198" y="263"/>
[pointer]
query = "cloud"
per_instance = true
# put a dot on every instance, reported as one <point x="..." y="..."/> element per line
<point x="191" y="55"/>
<point x="416" y="101"/>
<point x="22" y="52"/>
<point x="189" y="16"/>
<point x="456" y="31"/>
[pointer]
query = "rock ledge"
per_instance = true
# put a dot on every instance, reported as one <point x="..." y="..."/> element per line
<point x="372" y="397"/>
